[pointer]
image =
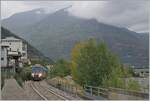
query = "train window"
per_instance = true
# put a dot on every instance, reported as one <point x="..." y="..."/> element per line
<point x="37" y="69"/>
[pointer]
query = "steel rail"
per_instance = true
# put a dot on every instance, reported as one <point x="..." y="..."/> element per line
<point x="53" y="92"/>
<point x="33" y="87"/>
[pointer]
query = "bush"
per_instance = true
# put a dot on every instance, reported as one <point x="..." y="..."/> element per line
<point x="18" y="79"/>
<point x="23" y="74"/>
<point x="133" y="85"/>
<point x="61" y="68"/>
<point x="26" y="74"/>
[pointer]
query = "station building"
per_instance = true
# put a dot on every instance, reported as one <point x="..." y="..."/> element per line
<point x="13" y="52"/>
<point x="143" y="72"/>
<point x="4" y="55"/>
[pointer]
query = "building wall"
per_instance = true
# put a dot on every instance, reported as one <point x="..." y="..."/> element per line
<point x="4" y="57"/>
<point x="142" y="72"/>
<point x="16" y="45"/>
<point x="24" y="51"/>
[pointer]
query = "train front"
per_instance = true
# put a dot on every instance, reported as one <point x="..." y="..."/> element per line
<point x="37" y="72"/>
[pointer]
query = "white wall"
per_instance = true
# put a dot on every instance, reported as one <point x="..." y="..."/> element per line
<point x="15" y="45"/>
<point x="3" y="57"/>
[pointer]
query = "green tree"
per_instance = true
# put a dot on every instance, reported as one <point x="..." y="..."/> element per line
<point x="93" y="64"/>
<point x="127" y="71"/>
<point x="61" y="68"/>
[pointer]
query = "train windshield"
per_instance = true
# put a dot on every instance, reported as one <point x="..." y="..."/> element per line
<point x="37" y="69"/>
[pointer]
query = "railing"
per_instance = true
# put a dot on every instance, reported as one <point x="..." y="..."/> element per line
<point x="91" y="92"/>
<point x="7" y="73"/>
<point x="69" y="88"/>
<point x="102" y="93"/>
<point x="96" y="91"/>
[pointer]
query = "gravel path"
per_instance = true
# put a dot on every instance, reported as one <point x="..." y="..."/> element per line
<point x="12" y="91"/>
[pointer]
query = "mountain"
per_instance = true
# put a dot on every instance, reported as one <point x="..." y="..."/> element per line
<point x="18" y="22"/>
<point x="33" y="53"/>
<point x="57" y="33"/>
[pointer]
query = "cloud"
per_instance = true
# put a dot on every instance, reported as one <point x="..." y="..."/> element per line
<point x="9" y="8"/>
<point x="131" y="14"/>
<point x="49" y="6"/>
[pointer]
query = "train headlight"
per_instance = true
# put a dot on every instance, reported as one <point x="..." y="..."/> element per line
<point x="32" y="74"/>
<point x="40" y="74"/>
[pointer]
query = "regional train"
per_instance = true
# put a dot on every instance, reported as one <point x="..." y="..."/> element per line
<point x="38" y="72"/>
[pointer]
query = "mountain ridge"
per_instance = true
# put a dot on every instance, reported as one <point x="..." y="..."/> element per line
<point x="57" y="33"/>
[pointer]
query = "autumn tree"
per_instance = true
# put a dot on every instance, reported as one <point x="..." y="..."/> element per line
<point x="93" y="64"/>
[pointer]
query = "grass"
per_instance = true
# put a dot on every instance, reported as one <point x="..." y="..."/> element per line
<point x="2" y="81"/>
<point x="18" y="79"/>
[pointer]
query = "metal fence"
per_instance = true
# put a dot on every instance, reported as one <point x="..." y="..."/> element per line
<point x="7" y="73"/>
<point x="96" y="91"/>
<point x="69" y="88"/>
<point x="88" y="92"/>
<point x="99" y="93"/>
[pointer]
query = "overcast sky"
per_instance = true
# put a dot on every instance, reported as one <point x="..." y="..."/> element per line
<point x="131" y="14"/>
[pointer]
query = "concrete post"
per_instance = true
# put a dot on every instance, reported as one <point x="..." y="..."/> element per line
<point x="91" y="90"/>
<point x="98" y="91"/>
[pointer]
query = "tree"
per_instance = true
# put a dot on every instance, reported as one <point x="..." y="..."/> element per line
<point x="61" y="68"/>
<point x="93" y="64"/>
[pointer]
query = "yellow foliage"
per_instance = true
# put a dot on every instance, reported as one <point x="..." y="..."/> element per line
<point x="75" y="51"/>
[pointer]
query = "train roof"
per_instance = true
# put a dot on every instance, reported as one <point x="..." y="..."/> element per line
<point x="39" y="65"/>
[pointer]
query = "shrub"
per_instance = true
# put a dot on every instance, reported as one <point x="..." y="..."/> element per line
<point x="133" y="85"/>
<point x="61" y="68"/>
<point x="18" y="79"/>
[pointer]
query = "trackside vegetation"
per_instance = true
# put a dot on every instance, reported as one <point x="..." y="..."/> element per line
<point x="94" y="64"/>
<point x="61" y="68"/>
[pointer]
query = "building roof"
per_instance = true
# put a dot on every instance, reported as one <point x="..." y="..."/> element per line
<point x="10" y="38"/>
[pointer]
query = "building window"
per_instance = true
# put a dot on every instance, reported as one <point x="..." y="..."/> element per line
<point x="23" y="54"/>
<point x="9" y="43"/>
<point x="23" y="48"/>
<point x="2" y="58"/>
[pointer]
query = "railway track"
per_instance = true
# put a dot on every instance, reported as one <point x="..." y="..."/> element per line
<point x="37" y="92"/>
<point x="46" y="93"/>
